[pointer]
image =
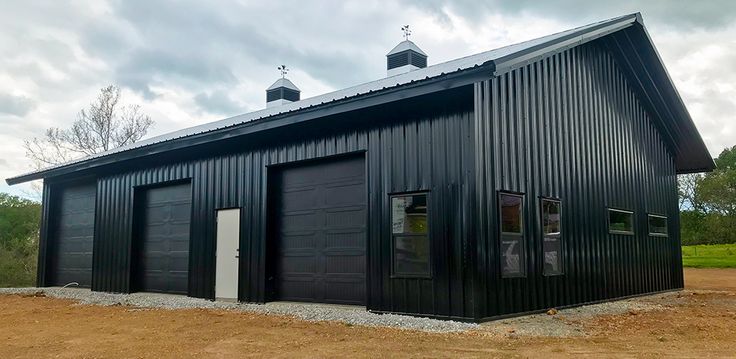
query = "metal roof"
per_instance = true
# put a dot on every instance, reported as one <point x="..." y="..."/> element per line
<point x="283" y="82"/>
<point x="496" y="61"/>
<point x="406" y="45"/>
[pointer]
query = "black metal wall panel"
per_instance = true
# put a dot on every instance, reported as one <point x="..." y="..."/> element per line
<point x="571" y="127"/>
<point x="419" y="144"/>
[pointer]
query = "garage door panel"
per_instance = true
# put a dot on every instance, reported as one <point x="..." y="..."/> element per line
<point x="179" y="260"/>
<point x="345" y="194"/>
<point x="298" y="290"/>
<point x="320" y="214"/>
<point x="350" y="239"/>
<point x="299" y="221"/>
<point x="348" y="292"/>
<point x="181" y="212"/>
<point x="71" y="238"/>
<point x="295" y="264"/>
<point x="163" y="255"/>
<point x="345" y="217"/>
<point x="76" y="262"/>
<point x="293" y="241"/>
<point x="299" y="199"/>
<point x="74" y="245"/>
<point x="66" y="276"/>
<point x="344" y="264"/>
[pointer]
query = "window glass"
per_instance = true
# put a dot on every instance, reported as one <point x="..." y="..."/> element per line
<point x="550" y="217"/>
<point x="409" y="214"/>
<point x="411" y="255"/>
<point x="552" y="237"/>
<point x="552" y="256"/>
<point x="409" y="229"/>
<point x="657" y="225"/>
<point x="510" y="214"/>
<point x="513" y="251"/>
<point x="620" y="221"/>
<point x="513" y="258"/>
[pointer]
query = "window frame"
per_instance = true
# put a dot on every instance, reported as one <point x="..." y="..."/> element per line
<point x="428" y="235"/>
<point x="615" y="231"/>
<point x="666" y="226"/>
<point x="558" y="236"/>
<point x="522" y="235"/>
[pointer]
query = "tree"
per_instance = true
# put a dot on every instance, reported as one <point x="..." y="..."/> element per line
<point x="718" y="188"/>
<point x="19" y="226"/>
<point x="708" y="203"/>
<point x="687" y="189"/>
<point x="104" y="125"/>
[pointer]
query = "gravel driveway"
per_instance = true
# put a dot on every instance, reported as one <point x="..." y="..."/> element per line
<point x="312" y="312"/>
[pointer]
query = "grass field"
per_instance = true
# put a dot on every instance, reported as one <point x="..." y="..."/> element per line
<point x="709" y="256"/>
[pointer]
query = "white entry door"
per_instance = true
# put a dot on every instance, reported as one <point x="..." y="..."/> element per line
<point x="228" y="238"/>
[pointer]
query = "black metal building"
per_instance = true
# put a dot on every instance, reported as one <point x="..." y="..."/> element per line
<point x="537" y="175"/>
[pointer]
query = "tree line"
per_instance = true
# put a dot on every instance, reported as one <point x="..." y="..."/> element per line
<point x="708" y="203"/>
<point x="19" y="222"/>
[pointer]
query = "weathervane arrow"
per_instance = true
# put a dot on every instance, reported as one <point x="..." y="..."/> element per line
<point x="406" y="31"/>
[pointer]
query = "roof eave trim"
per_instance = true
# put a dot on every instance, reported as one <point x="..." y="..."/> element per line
<point x="533" y="54"/>
<point x="696" y="170"/>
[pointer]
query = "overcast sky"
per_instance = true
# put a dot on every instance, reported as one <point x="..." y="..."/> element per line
<point x="191" y="62"/>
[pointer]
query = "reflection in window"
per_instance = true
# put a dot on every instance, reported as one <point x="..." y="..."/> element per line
<point x="513" y="254"/>
<point x="410" y="235"/>
<point x="657" y="225"/>
<point x="620" y="222"/>
<point x="552" y="237"/>
<point x="510" y="214"/>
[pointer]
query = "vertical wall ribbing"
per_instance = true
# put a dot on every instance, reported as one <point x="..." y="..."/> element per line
<point x="570" y="126"/>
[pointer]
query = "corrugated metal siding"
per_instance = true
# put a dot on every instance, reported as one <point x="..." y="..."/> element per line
<point x="570" y="127"/>
<point x="407" y="148"/>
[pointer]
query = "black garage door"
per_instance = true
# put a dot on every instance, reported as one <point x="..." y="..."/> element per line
<point x="71" y="246"/>
<point x="163" y="241"/>
<point x="320" y="225"/>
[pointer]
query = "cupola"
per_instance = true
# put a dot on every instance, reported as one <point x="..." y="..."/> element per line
<point x="282" y="91"/>
<point x="406" y="56"/>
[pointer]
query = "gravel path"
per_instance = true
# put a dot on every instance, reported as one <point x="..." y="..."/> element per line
<point x="311" y="312"/>
<point x="565" y="323"/>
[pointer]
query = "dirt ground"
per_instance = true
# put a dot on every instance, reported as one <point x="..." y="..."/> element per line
<point x="698" y="322"/>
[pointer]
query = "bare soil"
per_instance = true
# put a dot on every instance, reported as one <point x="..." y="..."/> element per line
<point x="697" y="322"/>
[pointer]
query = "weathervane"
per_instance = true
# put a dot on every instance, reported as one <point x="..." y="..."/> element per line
<point x="406" y="31"/>
<point x="283" y="70"/>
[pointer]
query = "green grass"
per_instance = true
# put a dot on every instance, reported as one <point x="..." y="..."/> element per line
<point x="709" y="256"/>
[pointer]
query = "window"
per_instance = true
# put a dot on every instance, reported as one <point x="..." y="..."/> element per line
<point x="410" y="234"/>
<point x="657" y="225"/>
<point x="513" y="259"/>
<point x="620" y="222"/>
<point x="552" y="236"/>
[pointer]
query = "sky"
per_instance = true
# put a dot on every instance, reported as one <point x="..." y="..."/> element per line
<point x="191" y="62"/>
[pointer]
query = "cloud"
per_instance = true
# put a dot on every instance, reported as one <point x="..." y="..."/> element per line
<point x="147" y="67"/>
<point x="16" y="105"/>
<point x="218" y="102"/>
<point x="684" y="15"/>
<point x="190" y="62"/>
